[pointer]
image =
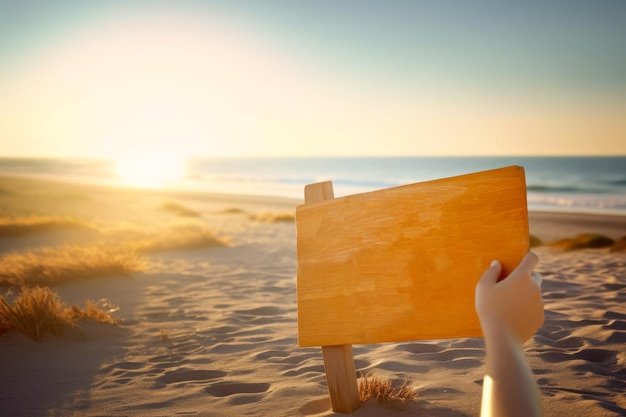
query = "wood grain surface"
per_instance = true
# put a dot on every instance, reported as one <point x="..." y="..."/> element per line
<point x="401" y="264"/>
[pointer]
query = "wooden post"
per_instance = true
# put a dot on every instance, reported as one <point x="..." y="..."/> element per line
<point x="341" y="378"/>
<point x="338" y="360"/>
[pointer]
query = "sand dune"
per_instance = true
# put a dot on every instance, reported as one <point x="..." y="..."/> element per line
<point x="212" y="331"/>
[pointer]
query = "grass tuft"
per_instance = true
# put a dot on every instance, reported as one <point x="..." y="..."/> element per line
<point x="93" y="312"/>
<point x="535" y="241"/>
<point x="181" y="237"/>
<point x="50" y="266"/>
<point x="121" y="254"/>
<point x="584" y="241"/>
<point x="380" y="388"/>
<point x="34" y="312"/>
<point x="232" y="210"/>
<point x="23" y="226"/>
<point x="179" y="209"/>
<point x="619" y="245"/>
<point x="37" y="311"/>
<point x="273" y="217"/>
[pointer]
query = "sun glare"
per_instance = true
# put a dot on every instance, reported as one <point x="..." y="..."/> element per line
<point x="150" y="170"/>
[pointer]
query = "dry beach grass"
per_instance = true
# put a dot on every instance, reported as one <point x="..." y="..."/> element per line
<point x="36" y="311"/>
<point x="51" y="266"/>
<point x="22" y="226"/>
<point x="383" y="390"/>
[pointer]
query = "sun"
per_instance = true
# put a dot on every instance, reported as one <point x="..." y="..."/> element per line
<point x="150" y="170"/>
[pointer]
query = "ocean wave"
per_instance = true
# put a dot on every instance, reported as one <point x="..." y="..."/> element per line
<point x="617" y="182"/>
<point x="568" y="189"/>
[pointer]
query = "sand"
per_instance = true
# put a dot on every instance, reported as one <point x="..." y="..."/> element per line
<point x="212" y="331"/>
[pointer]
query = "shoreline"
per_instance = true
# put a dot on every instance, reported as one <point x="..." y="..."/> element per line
<point x="243" y="193"/>
<point x="548" y="225"/>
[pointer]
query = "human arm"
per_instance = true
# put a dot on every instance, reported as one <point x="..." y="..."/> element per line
<point x="510" y="312"/>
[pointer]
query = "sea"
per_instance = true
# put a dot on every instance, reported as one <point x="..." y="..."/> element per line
<point x="572" y="184"/>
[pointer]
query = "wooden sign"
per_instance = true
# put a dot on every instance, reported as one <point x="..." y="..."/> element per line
<point x="402" y="263"/>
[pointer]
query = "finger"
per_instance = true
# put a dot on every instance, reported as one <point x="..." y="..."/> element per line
<point x="526" y="266"/>
<point x="537" y="278"/>
<point x="491" y="275"/>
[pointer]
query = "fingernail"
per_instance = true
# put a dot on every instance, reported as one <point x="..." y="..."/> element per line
<point x="494" y="263"/>
<point x="537" y="278"/>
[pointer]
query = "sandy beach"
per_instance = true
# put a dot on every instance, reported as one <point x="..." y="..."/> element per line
<point x="207" y="322"/>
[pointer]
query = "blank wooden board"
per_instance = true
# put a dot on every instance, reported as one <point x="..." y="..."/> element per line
<point x="402" y="263"/>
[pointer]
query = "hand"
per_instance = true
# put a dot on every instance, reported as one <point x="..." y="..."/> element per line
<point x="513" y="305"/>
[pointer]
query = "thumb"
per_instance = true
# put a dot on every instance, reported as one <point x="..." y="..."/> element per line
<point x="491" y="275"/>
<point x="526" y="266"/>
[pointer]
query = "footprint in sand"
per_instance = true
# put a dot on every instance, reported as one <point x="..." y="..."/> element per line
<point x="224" y="389"/>
<point x="588" y="355"/>
<point x="262" y="311"/>
<point x="126" y="366"/>
<point x="616" y="325"/>
<point x="617" y="338"/>
<point x="185" y="374"/>
<point x="419" y="348"/>
<point x="169" y="358"/>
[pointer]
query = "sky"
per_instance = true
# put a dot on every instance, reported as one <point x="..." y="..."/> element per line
<point x="312" y="78"/>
